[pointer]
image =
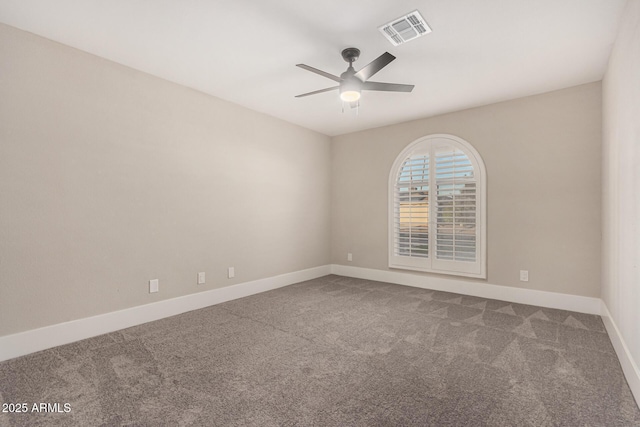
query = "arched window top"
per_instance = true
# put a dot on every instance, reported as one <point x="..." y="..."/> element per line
<point x="422" y="146"/>
<point x="437" y="208"/>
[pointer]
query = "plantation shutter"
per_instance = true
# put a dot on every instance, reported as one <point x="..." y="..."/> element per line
<point x="411" y="208"/>
<point x="456" y="207"/>
<point x="436" y="202"/>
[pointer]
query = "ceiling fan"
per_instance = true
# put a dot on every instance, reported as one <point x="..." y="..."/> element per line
<point x="352" y="83"/>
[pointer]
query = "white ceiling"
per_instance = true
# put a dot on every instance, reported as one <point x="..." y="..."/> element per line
<point x="245" y="51"/>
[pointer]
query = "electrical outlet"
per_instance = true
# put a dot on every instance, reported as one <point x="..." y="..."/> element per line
<point x="524" y="275"/>
<point x="154" y="285"/>
<point x="349" y="256"/>
<point x="231" y="273"/>
<point x="201" y="278"/>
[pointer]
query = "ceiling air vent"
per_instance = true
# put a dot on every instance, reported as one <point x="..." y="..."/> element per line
<point x="405" y="28"/>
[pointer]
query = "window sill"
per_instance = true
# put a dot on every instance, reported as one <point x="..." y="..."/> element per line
<point x="482" y="275"/>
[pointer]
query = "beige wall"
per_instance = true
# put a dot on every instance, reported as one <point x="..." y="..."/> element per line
<point x="110" y="177"/>
<point x="542" y="155"/>
<point x="621" y="181"/>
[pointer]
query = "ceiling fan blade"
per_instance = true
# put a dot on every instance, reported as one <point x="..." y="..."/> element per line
<point x="387" y="87"/>
<point x="329" y="89"/>
<point x="376" y="65"/>
<point x="322" y="73"/>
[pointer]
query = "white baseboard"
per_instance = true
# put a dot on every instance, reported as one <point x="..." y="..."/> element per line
<point x="629" y="365"/>
<point x="478" y="289"/>
<point x="63" y="333"/>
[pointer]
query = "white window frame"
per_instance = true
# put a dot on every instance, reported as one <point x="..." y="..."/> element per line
<point x="430" y="264"/>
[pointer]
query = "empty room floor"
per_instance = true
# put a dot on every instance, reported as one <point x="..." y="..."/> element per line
<point x="334" y="351"/>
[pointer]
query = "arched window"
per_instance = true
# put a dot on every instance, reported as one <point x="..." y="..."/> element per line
<point x="437" y="208"/>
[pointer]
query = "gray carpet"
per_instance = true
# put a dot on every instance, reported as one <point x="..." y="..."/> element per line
<point x="335" y="351"/>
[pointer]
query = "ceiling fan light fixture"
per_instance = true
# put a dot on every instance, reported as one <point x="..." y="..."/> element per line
<point x="350" y="95"/>
<point x="350" y="88"/>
